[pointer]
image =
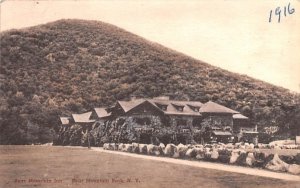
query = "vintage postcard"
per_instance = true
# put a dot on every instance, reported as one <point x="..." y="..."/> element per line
<point x="136" y="93"/>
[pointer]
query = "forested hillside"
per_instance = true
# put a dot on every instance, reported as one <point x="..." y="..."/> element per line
<point x="70" y="66"/>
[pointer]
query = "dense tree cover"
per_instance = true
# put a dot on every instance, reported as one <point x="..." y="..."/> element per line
<point x="72" y="66"/>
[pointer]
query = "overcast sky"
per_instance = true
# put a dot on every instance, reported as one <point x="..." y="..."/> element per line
<point x="234" y="35"/>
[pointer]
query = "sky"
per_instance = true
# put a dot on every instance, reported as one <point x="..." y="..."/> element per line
<point x="231" y="34"/>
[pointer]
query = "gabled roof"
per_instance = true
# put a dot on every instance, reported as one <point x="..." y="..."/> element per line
<point x="101" y="112"/>
<point x="211" y="107"/>
<point x="128" y="105"/>
<point x="83" y="118"/>
<point x="239" y="116"/>
<point x="64" y="120"/>
<point x="189" y="107"/>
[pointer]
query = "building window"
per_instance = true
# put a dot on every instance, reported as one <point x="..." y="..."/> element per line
<point x="178" y="107"/>
<point x="162" y="106"/>
<point x="181" y="122"/>
<point x="142" y="121"/>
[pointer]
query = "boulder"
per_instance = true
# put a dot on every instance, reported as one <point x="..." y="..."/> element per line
<point x="224" y="155"/>
<point x="243" y="147"/>
<point x="276" y="164"/>
<point x="250" y="159"/>
<point x="297" y="158"/>
<point x="214" y="155"/>
<point x="207" y="155"/>
<point x="251" y="146"/>
<point x="259" y="159"/>
<point x="115" y="146"/>
<point x="234" y="156"/>
<point x="237" y="145"/>
<point x="111" y="146"/>
<point x="199" y="153"/>
<point x="162" y="146"/>
<point x="176" y="154"/>
<point x="127" y="148"/>
<point x="199" y="146"/>
<point x="294" y="169"/>
<point x="150" y="149"/>
<point x="208" y="146"/>
<point x="287" y="159"/>
<point x="106" y="146"/>
<point x="246" y="145"/>
<point x="181" y="150"/>
<point x="143" y="148"/>
<point x="121" y="146"/>
<point x="135" y="148"/>
<point x="191" y="153"/>
<point x="229" y="146"/>
<point x="170" y="150"/>
<point x="157" y="150"/>
<point x="241" y="160"/>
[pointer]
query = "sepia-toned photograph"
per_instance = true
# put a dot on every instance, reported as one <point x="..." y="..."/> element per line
<point x="149" y="94"/>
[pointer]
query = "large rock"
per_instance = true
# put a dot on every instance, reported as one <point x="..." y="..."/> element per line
<point x="191" y="153"/>
<point x="170" y="150"/>
<point x="207" y="155"/>
<point x="199" y="153"/>
<point x="250" y="160"/>
<point x="181" y="150"/>
<point x="294" y="169"/>
<point x="241" y="160"/>
<point x="143" y="148"/>
<point x="109" y="146"/>
<point x="297" y="159"/>
<point x="127" y="148"/>
<point x="224" y="155"/>
<point x="229" y="146"/>
<point x="135" y="148"/>
<point x="260" y="159"/>
<point x="150" y="149"/>
<point x="287" y="159"/>
<point x="115" y="146"/>
<point x="121" y="146"/>
<point x="157" y="150"/>
<point x="251" y="146"/>
<point x="105" y="146"/>
<point x="214" y="155"/>
<point x="276" y="164"/>
<point x="162" y="146"/>
<point x="234" y="156"/>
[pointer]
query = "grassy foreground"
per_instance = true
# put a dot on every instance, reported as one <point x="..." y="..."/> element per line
<point x="47" y="166"/>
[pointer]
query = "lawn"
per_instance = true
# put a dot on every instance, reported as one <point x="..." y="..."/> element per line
<point x="47" y="166"/>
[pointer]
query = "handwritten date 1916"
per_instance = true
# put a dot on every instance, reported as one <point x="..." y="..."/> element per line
<point x="278" y="12"/>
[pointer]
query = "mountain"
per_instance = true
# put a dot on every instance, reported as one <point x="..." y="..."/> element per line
<point x="70" y="66"/>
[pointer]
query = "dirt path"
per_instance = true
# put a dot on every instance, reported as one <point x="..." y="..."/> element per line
<point x="209" y="165"/>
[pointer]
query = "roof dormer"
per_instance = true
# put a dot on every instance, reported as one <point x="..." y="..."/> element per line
<point x="162" y="106"/>
<point x="178" y="107"/>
